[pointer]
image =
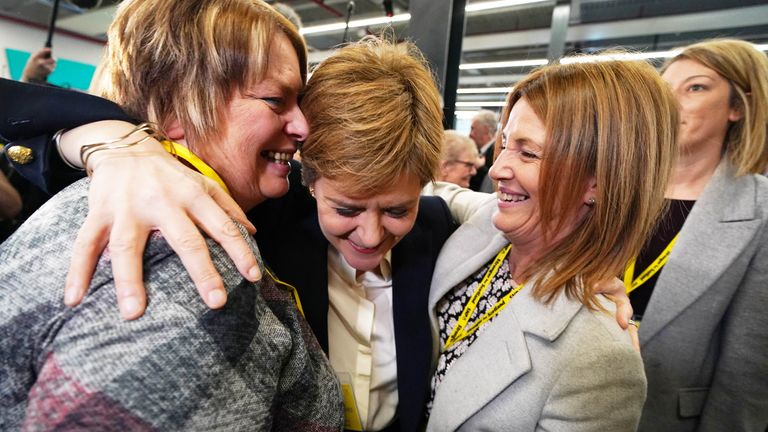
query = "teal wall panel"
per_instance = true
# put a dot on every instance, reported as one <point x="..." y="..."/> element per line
<point x="68" y="73"/>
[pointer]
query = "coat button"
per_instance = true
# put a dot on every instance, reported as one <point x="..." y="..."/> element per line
<point x="20" y="154"/>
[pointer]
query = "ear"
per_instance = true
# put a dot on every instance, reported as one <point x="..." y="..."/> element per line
<point x="175" y="131"/>
<point x="443" y="167"/>
<point x="590" y="196"/>
<point x="736" y="112"/>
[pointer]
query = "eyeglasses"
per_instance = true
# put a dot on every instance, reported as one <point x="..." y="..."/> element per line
<point x="469" y="165"/>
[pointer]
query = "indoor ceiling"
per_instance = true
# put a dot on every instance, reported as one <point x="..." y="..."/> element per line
<point x="502" y="34"/>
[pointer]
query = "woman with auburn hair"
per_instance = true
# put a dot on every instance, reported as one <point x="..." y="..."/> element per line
<point x="524" y="342"/>
<point x="703" y="334"/>
<point x="252" y="365"/>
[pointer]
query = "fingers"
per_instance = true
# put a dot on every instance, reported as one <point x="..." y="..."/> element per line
<point x="189" y="245"/>
<point x="633" y="333"/>
<point x="90" y="242"/>
<point x="623" y="310"/>
<point x="215" y="218"/>
<point x="228" y="205"/>
<point x="126" y="249"/>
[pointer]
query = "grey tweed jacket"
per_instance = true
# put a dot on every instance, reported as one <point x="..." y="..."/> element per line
<point x="252" y="365"/>
<point x="704" y="335"/>
<point x="535" y="367"/>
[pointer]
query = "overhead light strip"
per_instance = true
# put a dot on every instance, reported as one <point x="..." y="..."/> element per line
<point x="484" y="90"/>
<point x="504" y="64"/>
<point x="482" y="6"/>
<point x="582" y="59"/>
<point x="355" y="24"/>
<point x="481" y="104"/>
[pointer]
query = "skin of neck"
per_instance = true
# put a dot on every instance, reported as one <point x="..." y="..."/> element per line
<point x="522" y="255"/>
<point x="692" y="172"/>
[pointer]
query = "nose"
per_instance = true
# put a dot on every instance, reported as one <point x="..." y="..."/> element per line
<point x="296" y="125"/>
<point x="370" y="231"/>
<point x="502" y="167"/>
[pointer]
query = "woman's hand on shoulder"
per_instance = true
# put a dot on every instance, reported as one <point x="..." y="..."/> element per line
<point x="140" y="189"/>
<point x="614" y="290"/>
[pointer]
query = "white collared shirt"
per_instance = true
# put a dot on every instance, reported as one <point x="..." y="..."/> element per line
<point x="361" y="337"/>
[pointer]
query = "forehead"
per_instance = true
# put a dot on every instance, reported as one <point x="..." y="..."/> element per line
<point x="683" y="69"/>
<point x="283" y="70"/>
<point x="523" y="122"/>
<point x="406" y="188"/>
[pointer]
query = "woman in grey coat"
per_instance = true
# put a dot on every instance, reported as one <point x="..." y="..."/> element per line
<point x="703" y="334"/>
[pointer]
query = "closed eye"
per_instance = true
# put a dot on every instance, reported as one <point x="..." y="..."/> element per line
<point x="397" y="212"/>
<point x="347" y="212"/>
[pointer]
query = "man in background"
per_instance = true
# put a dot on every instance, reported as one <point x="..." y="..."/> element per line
<point x="483" y="133"/>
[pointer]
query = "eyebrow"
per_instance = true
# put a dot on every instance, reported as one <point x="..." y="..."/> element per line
<point x="698" y="76"/>
<point x="339" y="202"/>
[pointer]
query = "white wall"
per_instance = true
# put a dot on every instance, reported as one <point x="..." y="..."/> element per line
<point x="22" y="37"/>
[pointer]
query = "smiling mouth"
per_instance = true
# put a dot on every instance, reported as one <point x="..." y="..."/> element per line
<point x="506" y="197"/>
<point x="277" y="157"/>
<point x="363" y="250"/>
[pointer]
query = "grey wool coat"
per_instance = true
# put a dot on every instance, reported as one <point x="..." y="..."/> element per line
<point x="535" y="367"/>
<point x="704" y="335"/>
<point x="251" y="365"/>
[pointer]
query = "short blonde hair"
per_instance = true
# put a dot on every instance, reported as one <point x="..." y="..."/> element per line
<point x="612" y="121"/>
<point x="374" y="112"/>
<point x="185" y="59"/>
<point x="746" y="69"/>
<point x="455" y="145"/>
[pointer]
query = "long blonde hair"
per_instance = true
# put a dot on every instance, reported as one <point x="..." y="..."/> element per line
<point x="746" y="69"/>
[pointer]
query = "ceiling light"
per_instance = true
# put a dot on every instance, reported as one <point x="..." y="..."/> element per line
<point x="481" y="104"/>
<point x="484" y="90"/>
<point x="619" y="56"/>
<point x="354" y="24"/>
<point x="465" y="114"/>
<point x="504" y="64"/>
<point x="474" y="7"/>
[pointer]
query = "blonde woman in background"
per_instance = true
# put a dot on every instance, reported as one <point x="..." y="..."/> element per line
<point x="703" y="334"/>
<point x="459" y="159"/>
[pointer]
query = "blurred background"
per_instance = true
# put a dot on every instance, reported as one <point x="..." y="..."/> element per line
<point x="478" y="49"/>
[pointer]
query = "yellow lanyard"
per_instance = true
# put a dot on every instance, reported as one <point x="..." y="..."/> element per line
<point x="629" y="272"/>
<point x="182" y="152"/>
<point x="294" y="292"/>
<point x="460" y="331"/>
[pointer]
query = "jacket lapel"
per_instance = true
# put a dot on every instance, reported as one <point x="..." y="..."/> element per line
<point x="412" y="272"/>
<point x="721" y="223"/>
<point x="499" y="357"/>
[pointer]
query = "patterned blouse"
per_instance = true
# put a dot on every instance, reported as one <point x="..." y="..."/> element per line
<point x="450" y="307"/>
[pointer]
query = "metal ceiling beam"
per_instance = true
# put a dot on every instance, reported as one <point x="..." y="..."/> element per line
<point x="702" y="21"/>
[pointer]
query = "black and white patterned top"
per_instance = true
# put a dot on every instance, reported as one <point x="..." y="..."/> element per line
<point x="450" y="307"/>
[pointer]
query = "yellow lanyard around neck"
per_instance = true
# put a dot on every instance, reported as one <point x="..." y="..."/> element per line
<point x="460" y="331"/>
<point x="629" y="272"/>
<point x="203" y="168"/>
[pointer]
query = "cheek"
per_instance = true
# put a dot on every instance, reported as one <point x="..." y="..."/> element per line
<point x="333" y="224"/>
<point x="400" y="227"/>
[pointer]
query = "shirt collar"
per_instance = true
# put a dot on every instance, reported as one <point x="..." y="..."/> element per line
<point x="349" y="273"/>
